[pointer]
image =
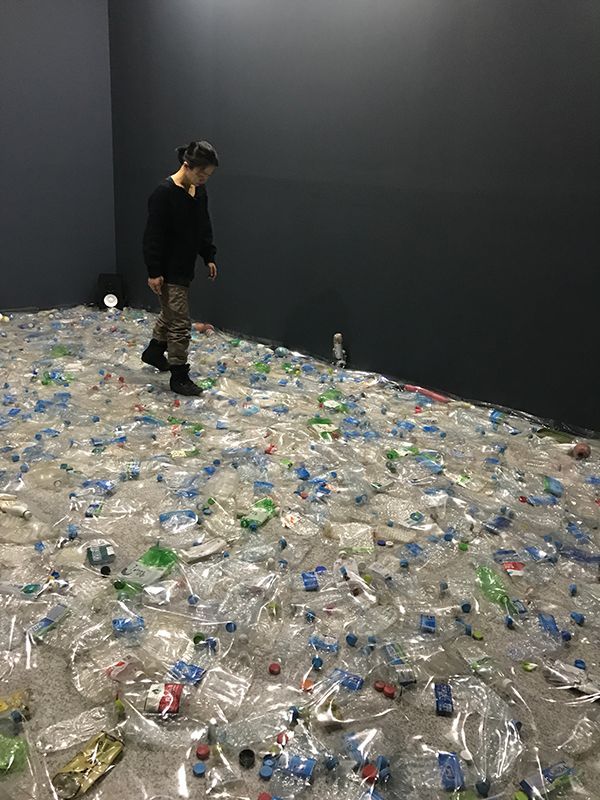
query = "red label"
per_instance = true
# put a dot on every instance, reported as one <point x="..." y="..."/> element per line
<point x="514" y="566"/>
<point x="169" y="702"/>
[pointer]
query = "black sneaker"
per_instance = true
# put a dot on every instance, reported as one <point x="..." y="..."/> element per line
<point x="181" y="383"/>
<point x="154" y="355"/>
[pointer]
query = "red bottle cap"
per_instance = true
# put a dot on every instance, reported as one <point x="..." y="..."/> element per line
<point x="369" y="773"/>
<point x="264" y="796"/>
<point x="203" y="752"/>
<point x="389" y="691"/>
<point x="379" y="686"/>
<point x="274" y="668"/>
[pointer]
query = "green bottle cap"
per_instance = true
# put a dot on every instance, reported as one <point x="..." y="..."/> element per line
<point x="529" y="666"/>
<point x="464" y="546"/>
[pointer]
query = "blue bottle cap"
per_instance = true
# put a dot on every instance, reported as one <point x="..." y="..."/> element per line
<point x="351" y="639"/>
<point x="572" y="589"/>
<point x="199" y="769"/>
<point x="580" y="663"/>
<point x="509" y="622"/>
<point x="230" y="627"/>
<point x="317" y="662"/>
<point x="566" y="636"/>
<point x="265" y="773"/>
<point x="465" y="606"/>
<point x="577" y="617"/>
<point x="193" y="600"/>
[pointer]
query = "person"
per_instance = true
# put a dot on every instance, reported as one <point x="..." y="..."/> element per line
<point x="177" y="230"/>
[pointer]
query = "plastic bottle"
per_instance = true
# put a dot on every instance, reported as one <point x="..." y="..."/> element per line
<point x="493" y="588"/>
<point x="260" y="513"/>
<point x="156" y="562"/>
<point x="9" y="505"/>
<point x="338" y="353"/>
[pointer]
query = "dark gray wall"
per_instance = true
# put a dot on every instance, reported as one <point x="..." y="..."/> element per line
<point x="422" y="175"/>
<point x="57" y="194"/>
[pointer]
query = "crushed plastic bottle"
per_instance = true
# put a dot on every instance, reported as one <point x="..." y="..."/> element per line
<point x="343" y="563"/>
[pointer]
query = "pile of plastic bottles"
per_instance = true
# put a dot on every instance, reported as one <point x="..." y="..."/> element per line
<point x="306" y="581"/>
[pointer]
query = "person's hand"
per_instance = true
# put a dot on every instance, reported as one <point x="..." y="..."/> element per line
<point x="156" y="284"/>
<point x="212" y="270"/>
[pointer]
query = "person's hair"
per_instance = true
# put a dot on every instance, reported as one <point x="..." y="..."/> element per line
<point x="198" y="154"/>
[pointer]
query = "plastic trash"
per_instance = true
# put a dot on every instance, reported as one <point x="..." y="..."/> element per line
<point x="262" y="591"/>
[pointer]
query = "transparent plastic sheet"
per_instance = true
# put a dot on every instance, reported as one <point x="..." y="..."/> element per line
<point x="290" y="565"/>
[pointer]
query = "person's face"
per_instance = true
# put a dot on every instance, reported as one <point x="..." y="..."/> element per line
<point x="199" y="175"/>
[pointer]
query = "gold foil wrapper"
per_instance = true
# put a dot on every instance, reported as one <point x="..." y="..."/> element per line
<point x="95" y="759"/>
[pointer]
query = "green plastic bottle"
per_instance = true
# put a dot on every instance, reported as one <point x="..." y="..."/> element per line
<point x="261" y="512"/>
<point x="59" y="350"/>
<point x="332" y="400"/>
<point x="324" y="428"/>
<point x="13" y="754"/>
<point x="156" y="562"/>
<point x="493" y="588"/>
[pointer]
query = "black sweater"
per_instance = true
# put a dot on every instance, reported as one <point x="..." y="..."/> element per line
<point x="178" y="229"/>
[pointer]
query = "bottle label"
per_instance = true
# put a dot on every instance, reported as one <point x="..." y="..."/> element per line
<point x="49" y="621"/>
<point x="451" y="774"/>
<point x="140" y="573"/>
<point x="444" y="706"/>
<point x="347" y="679"/>
<point x="163" y="698"/>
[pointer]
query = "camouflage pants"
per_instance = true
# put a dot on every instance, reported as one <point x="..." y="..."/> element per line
<point x="174" y="324"/>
